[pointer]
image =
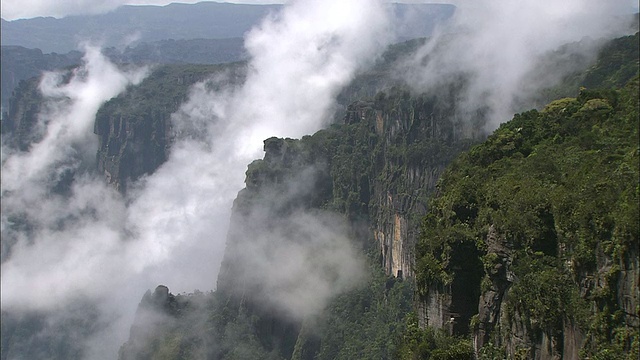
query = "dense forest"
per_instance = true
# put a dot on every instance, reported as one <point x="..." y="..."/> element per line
<point x="529" y="245"/>
<point x="421" y="236"/>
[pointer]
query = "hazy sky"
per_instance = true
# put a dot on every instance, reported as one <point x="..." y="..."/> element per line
<point x="17" y="9"/>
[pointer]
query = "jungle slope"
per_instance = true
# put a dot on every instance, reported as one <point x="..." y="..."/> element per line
<point x="546" y="211"/>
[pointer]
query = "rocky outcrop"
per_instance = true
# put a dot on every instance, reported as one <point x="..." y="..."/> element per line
<point x="628" y="287"/>
<point x="166" y="326"/>
<point x="135" y="128"/>
<point x="20" y="120"/>
<point x="415" y="139"/>
<point x="130" y="148"/>
<point x="491" y="300"/>
<point x="21" y="64"/>
<point x="499" y="326"/>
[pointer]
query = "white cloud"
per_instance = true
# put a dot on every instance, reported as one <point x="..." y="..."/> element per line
<point x="498" y="44"/>
<point x="90" y="242"/>
<point x="69" y="235"/>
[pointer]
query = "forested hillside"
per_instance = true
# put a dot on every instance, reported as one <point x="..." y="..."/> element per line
<point x="421" y="236"/>
<point x="365" y="169"/>
<point x="541" y="221"/>
<point x="528" y="232"/>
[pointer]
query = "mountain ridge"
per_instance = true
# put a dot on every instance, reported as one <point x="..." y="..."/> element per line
<point x="207" y="20"/>
<point x="378" y="166"/>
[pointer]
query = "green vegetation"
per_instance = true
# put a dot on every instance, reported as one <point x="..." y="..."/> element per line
<point x="162" y="92"/>
<point x="616" y="64"/>
<point x="557" y="188"/>
<point x="560" y="187"/>
<point x="434" y="344"/>
<point x="366" y="323"/>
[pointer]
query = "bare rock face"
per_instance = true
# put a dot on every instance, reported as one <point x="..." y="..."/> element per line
<point x="130" y="148"/>
<point x="491" y="300"/>
<point x="416" y="138"/>
<point x="628" y="290"/>
<point x="19" y="122"/>
<point x="514" y="331"/>
<point x="135" y="129"/>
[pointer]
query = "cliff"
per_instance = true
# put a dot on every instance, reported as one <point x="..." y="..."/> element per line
<point x="363" y="181"/>
<point x="19" y="121"/>
<point x="532" y="241"/>
<point x="530" y="246"/>
<point x="368" y="169"/>
<point x="19" y="63"/>
<point x="527" y="245"/>
<point x="510" y="281"/>
<point x="135" y="130"/>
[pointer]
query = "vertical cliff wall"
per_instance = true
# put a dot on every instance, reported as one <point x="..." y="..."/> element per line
<point x="19" y="123"/>
<point x="135" y="128"/>
<point x="404" y="144"/>
<point x="376" y="170"/>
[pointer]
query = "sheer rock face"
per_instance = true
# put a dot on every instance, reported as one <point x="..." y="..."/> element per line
<point x="19" y="123"/>
<point x="377" y="169"/>
<point x="135" y="129"/>
<point x="514" y="331"/>
<point x="415" y="139"/>
<point x="129" y="148"/>
<point x="491" y="300"/>
<point x="628" y="291"/>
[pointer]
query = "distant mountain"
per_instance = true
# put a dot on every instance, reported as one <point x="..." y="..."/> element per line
<point x="127" y="24"/>
<point x="202" y="33"/>
<point x="205" y="20"/>
<point x="20" y="63"/>
<point x="192" y="51"/>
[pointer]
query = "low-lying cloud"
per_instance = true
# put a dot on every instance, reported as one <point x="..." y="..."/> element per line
<point x="293" y="264"/>
<point x="68" y="232"/>
<point x="86" y="241"/>
<point x="300" y="59"/>
<point x="497" y="47"/>
<point x="65" y="240"/>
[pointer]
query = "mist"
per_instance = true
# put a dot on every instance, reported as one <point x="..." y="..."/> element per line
<point x="72" y="239"/>
<point x="79" y="241"/>
<point x="283" y="254"/>
<point x="69" y="229"/>
<point x="300" y="59"/>
<point x="62" y="227"/>
<point x="498" y="47"/>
